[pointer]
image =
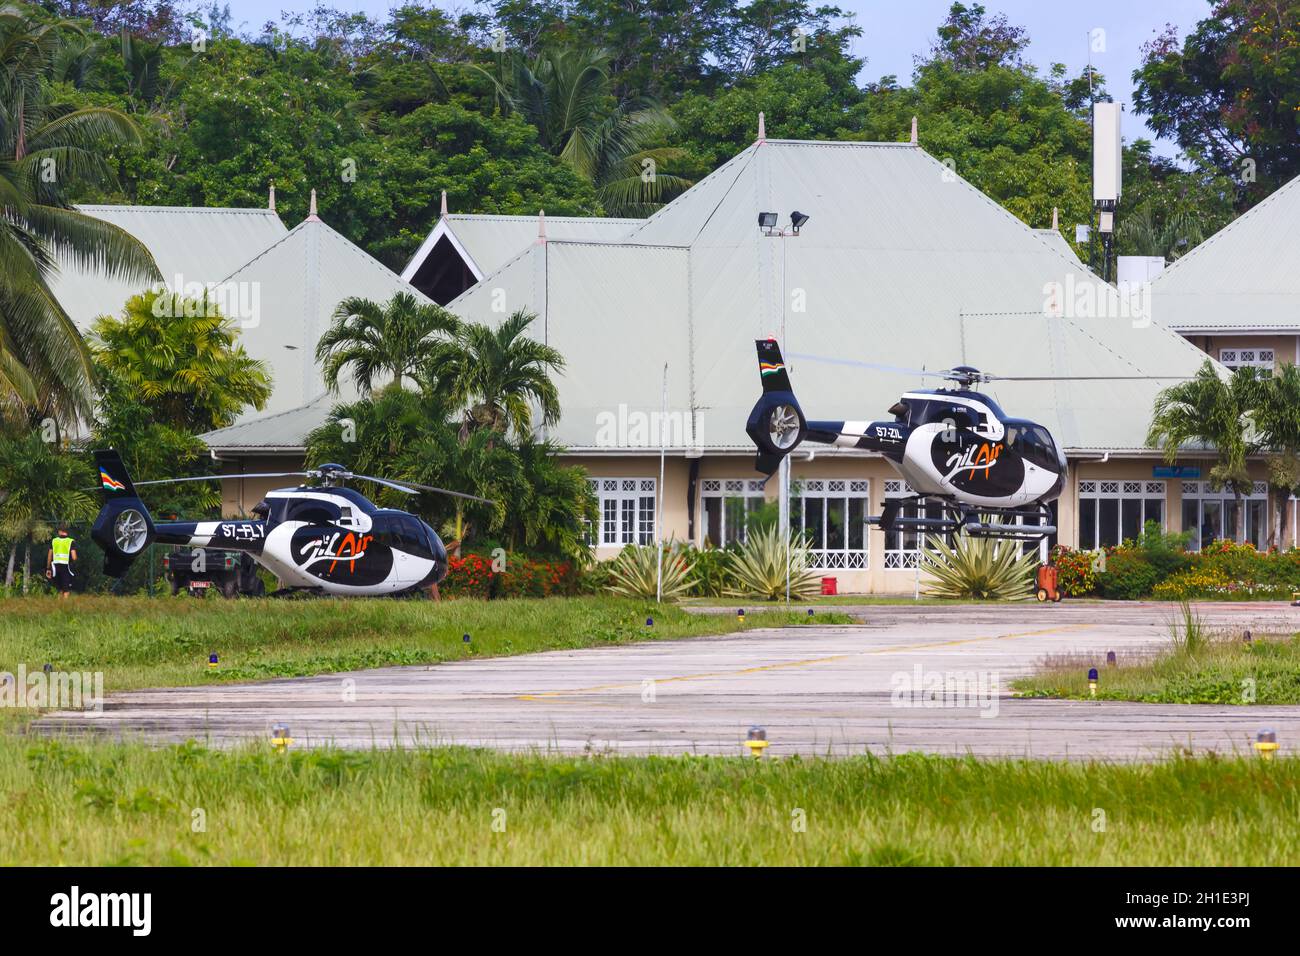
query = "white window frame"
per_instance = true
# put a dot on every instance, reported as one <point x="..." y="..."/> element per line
<point x="724" y="489"/>
<point x="833" y="489"/>
<point x="1200" y="491"/>
<point x="633" y="502"/>
<point x="1142" y="490"/>
<point x="1247" y="358"/>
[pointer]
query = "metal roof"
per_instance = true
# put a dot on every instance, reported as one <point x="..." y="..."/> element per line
<point x="489" y="241"/>
<point x="280" y="431"/>
<point x="1246" y="277"/>
<point x="902" y="263"/>
<point x="295" y="285"/>
<point x="1057" y="241"/>
<point x="195" y="244"/>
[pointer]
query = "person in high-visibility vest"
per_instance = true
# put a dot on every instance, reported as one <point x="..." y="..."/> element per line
<point x="58" y="563"/>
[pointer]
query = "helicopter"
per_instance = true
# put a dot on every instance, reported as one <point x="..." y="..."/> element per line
<point x="992" y="475"/>
<point x="318" y="538"/>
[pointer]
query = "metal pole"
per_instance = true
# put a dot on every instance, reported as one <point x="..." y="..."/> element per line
<point x="659" y="517"/>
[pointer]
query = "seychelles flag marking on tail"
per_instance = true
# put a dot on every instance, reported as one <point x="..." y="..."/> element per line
<point x="109" y="483"/>
<point x="769" y="368"/>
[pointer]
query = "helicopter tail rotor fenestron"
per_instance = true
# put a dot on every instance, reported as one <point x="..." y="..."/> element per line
<point x="776" y="424"/>
<point x="124" y="527"/>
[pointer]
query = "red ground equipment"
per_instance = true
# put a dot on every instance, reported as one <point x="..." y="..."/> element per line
<point x="1047" y="589"/>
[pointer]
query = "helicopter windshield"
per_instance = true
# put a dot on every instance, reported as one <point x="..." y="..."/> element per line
<point x="1033" y="443"/>
<point x="916" y="411"/>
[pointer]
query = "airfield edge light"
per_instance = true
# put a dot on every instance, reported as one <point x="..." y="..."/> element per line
<point x="756" y="741"/>
<point x="280" y="738"/>
<point x="1266" y="743"/>
<point x="1092" y="681"/>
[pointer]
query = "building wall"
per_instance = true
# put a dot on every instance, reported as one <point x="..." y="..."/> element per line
<point x="1285" y="348"/>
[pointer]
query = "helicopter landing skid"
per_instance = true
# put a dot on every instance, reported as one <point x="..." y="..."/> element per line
<point x="963" y="519"/>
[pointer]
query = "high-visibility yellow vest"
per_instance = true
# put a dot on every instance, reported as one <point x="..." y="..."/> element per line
<point x="62" y="548"/>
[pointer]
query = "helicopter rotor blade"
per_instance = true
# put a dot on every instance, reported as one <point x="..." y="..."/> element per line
<point x="875" y="366"/>
<point x="411" y="487"/>
<point x="1084" y="378"/>
<point x="262" y="474"/>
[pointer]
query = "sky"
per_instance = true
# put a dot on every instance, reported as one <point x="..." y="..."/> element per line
<point x="895" y="30"/>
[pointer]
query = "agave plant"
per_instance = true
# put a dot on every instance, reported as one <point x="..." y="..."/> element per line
<point x="636" y="572"/>
<point x="984" y="569"/>
<point x="758" y="566"/>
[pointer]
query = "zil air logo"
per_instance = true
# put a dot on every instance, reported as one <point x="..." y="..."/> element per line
<point x="348" y="547"/>
<point x="973" y="458"/>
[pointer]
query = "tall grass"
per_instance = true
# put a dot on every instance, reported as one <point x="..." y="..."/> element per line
<point x="103" y="804"/>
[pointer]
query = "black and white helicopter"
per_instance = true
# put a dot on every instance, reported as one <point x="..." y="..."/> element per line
<point x="993" y="475"/>
<point x="324" y="538"/>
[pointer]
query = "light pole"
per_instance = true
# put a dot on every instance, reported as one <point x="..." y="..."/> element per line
<point x="767" y="224"/>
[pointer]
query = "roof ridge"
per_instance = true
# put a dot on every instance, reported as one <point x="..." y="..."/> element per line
<point x="189" y="210"/>
<point x="521" y="217"/>
<point x="1173" y="266"/>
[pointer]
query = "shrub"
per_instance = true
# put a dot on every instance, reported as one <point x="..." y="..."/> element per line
<point x="712" y="572"/>
<point x="636" y="572"/>
<point x="978" y="568"/>
<point x="1075" y="574"/>
<point x="1129" y="574"/>
<point x="469" y="576"/>
<point x="758" y="567"/>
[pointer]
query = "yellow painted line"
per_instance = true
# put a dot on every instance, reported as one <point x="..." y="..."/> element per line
<point x="550" y="695"/>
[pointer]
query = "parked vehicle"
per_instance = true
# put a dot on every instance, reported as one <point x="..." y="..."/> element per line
<point x="199" y="570"/>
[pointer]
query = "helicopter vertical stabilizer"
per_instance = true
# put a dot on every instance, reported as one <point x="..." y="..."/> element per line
<point x="124" y="527"/>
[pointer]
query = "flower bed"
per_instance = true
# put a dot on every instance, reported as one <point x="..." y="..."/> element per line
<point x="472" y="576"/>
<point x="1223" y="571"/>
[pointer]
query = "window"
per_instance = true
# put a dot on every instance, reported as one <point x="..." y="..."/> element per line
<point x="1111" y="512"/>
<point x="831" y="513"/>
<point x="903" y="548"/>
<point x="1212" y="515"/>
<point x="627" y="510"/>
<point x="1247" y="358"/>
<point x="726" y="503"/>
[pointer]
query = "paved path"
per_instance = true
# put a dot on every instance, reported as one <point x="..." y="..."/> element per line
<point x="816" y="690"/>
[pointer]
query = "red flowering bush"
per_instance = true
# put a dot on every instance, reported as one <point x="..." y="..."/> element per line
<point x="1074" y="571"/>
<point x="472" y="576"/>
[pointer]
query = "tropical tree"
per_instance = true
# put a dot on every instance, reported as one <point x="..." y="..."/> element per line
<point x="498" y="374"/>
<point x="1213" y="412"/>
<point x="395" y="341"/>
<point x="1276" y="417"/>
<point x="181" y="357"/>
<point x="48" y="149"/>
<point x="40" y="485"/>
<point x="556" y="508"/>
<point x="565" y="92"/>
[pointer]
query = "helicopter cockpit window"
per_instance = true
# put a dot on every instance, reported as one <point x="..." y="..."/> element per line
<point x="1033" y="443"/>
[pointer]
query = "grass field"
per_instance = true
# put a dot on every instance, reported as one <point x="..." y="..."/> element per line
<point x="165" y="642"/>
<point x="1211" y="669"/>
<point x="109" y="804"/>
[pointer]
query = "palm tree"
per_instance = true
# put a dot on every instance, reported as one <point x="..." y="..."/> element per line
<point x="498" y="374"/>
<point x="47" y="149"/>
<point x="399" y="340"/>
<point x="42" y="485"/>
<point x="566" y="94"/>
<point x="1277" y="420"/>
<point x="180" y="357"/>
<point x="1214" y="412"/>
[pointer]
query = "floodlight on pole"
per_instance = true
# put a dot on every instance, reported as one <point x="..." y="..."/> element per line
<point x="797" y="219"/>
<point x="767" y="222"/>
